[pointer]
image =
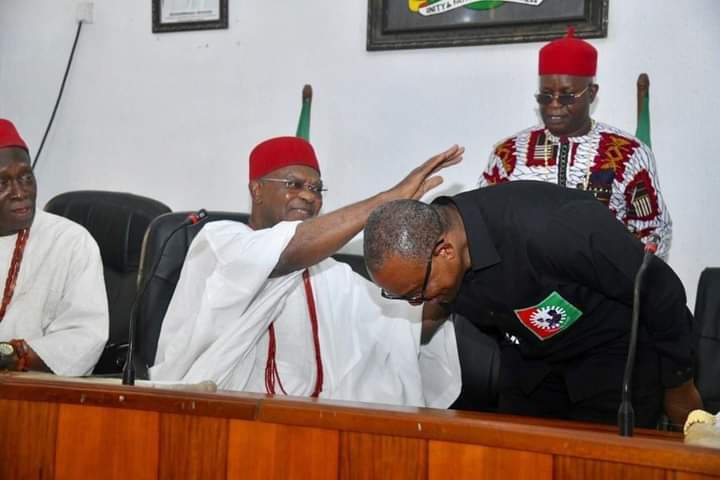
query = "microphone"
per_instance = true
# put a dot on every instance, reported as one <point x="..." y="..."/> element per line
<point x="129" y="369"/>
<point x="626" y="414"/>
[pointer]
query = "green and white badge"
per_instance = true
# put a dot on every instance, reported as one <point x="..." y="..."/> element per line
<point x="549" y="317"/>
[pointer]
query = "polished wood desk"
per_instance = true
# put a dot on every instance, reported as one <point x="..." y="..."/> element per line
<point x="66" y="430"/>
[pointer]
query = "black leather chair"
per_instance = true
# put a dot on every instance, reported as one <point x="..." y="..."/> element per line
<point x="479" y="354"/>
<point x="161" y="285"/>
<point x="707" y="325"/>
<point x="117" y="221"/>
<point x="160" y="288"/>
<point x="356" y="262"/>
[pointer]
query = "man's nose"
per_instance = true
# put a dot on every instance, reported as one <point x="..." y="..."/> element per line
<point x="555" y="101"/>
<point x="307" y="195"/>
<point x="17" y="190"/>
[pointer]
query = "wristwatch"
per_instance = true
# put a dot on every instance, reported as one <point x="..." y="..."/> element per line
<point x="7" y="355"/>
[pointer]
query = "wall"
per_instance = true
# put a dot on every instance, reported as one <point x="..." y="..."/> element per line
<point x="173" y="116"/>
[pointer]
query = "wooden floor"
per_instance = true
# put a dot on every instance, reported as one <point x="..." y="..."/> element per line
<point x="60" y="430"/>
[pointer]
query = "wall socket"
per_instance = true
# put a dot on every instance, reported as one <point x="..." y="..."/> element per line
<point x="85" y="12"/>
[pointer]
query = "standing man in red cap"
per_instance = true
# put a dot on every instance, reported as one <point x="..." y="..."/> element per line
<point x="54" y="312"/>
<point x="262" y="308"/>
<point x="573" y="150"/>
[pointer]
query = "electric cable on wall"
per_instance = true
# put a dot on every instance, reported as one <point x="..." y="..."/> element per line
<point x="60" y="93"/>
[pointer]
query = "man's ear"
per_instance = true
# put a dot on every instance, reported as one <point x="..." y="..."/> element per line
<point x="255" y="191"/>
<point x="593" y="91"/>
<point x="445" y="249"/>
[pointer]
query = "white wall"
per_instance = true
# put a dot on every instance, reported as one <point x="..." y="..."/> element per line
<point x="173" y="116"/>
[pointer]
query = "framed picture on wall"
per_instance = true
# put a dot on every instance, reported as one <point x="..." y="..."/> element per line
<point x="398" y="24"/>
<point x="182" y="15"/>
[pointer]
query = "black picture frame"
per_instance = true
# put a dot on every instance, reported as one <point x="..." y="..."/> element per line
<point x="392" y="25"/>
<point x="158" y="26"/>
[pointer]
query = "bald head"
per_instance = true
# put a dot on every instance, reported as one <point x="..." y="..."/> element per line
<point x="404" y="228"/>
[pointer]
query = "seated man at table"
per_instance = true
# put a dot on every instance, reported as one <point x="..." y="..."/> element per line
<point x="261" y="308"/>
<point x="553" y="270"/>
<point x="54" y="313"/>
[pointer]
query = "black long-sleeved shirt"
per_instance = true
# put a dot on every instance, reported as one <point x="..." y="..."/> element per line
<point x="534" y="246"/>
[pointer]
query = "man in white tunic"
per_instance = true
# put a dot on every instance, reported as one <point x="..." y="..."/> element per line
<point x="261" y="308"/>
<point x="54" y="312"/>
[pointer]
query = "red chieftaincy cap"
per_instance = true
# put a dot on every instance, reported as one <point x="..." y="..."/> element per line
<point x="9" y="136"/>
<point x="568" y="56"/>
<point x="280" y="152"/>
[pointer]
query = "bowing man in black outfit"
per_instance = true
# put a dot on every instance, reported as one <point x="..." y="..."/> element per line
<point x="552" y="270"/>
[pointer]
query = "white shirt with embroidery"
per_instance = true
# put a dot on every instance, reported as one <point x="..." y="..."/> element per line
<point x="615" y="166"/>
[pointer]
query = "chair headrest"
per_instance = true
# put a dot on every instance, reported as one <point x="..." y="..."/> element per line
<point x="117" y="221"/>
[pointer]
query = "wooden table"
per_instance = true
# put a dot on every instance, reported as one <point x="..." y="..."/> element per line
<point x="52" y="429"/>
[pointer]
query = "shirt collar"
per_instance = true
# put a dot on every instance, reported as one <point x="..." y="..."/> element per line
<point x="483" y="253"/>
<point x="578" y="139"/>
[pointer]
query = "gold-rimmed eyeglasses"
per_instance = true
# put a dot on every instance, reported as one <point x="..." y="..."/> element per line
<point x="295" y="185"/>
<point x="567" y="98"/>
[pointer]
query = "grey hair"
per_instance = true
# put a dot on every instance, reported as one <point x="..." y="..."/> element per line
<point x="404" y="228"/>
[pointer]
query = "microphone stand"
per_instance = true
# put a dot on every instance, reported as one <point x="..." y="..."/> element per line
<point x="128" y="377"/>
<point x="626" y="414"/>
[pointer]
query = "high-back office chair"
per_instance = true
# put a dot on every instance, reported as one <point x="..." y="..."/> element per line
<point x="117" y="221"/>
<point x="152" y="307"/>
<point x="479" y="354"/>
<point x="356" y="262"/>
<point x="707" y="323"/>
<point x="161" y="286"/>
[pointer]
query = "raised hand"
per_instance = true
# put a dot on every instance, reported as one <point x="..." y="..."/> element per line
<point x="422" y="179"/>
<point x="317" y="238"/>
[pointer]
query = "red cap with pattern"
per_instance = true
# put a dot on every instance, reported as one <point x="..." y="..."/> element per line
<point x="9" y="136"/>
<point x="568" y="56"/>
<point x="280" y="152"/>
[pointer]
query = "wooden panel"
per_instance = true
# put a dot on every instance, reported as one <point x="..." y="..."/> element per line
<point x="107" y="443"/>
<point x="695" y="476"/>
<point x="473" y="462"/>
<point x="27" y="439"/>
<point x="267" y="451"/>
<point x="193" y="447"/>
<point x="107" y="428"/>
<point x="569" y="468"/>
<point x="192" y="399"/>
<point x="542" y="437"/>
<point x="365" y="456"/>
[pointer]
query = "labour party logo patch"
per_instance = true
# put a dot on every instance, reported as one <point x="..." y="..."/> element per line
<point x="547" y="318"/>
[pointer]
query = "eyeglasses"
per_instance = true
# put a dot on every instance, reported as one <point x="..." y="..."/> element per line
<point x="294" y="185"/>
<point x="562" y="98"/>
<point x="419" y="298"/>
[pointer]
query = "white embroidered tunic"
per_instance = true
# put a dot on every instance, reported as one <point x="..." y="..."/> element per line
<point x="615" y="166"/>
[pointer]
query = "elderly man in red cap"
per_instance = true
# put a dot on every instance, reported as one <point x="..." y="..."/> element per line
<point x="573" y="150"/>
<point x="54" y="313"/>
<point x="262" y="308"/>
